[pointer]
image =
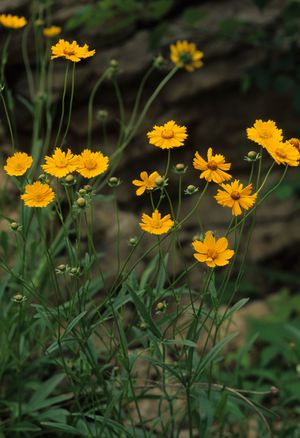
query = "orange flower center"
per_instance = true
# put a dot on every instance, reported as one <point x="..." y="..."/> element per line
<point x="167" y="133"/>
<point x="61" y="162"/>
<point x="265" y="134"/>
<point x="69" y="51"/>
<point x="212" y="253"/>
<point x="235" y="195"/>
<point x="19" y="166"/>
<point x="212" y="165"/>
<point x="281" y="152"/>
<point x="90" y="163"/>
<point x="39" y="196"/>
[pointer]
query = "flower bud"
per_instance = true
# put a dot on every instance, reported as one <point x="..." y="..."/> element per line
<point x="159" y="181"/>
<point x="19" y="298"/>
<point x="161" y="306"/>
<point x="274" y="390"/>
<point x="190" y="190"/>
<point x="180" y="168"/>
<point x="61" y="268"/>
<point x="88" y="188"/>
<point x="102" y="115"/>
<point x="143" y="326"/>
<point x="43" y="178"/>
<point x="133" y="241"/>
<point x="69" y="178"/>
<point x="158" y="61"/>
<point x="82" y="191"/>
<point x="114" y="181"/>
<point x="15" y="226"/>
<point x="252" y="156"/>
<point x="81" y="202"/>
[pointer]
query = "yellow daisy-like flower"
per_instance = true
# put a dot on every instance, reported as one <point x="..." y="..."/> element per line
<point x="147" y="182"/>
<point x="156" y="224"/>
<point x="214" y="168"/>
<point x="236" y="196"/>
<point x="295" y="142"/>
<point x="284" y="153"/>
<point x="212" y="251"/>
<point x="12" y="21"/>
<point x="60" y="163"/>
<point x="18" y="164"/>
<point x="38" y="195"/>
<point x="91" y="164"/>
<point x="185" y="54"/>
<point x="71" y="51"/>
<point x="51" y="31"/>
<point x="167" y="136"/>
<point x="264" y="132"/>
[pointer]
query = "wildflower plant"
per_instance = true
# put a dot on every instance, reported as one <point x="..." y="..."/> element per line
<point x="71" y="357"/>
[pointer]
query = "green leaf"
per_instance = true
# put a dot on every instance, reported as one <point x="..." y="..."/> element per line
<point x="73" y="323"/>
<point x="144" y="313"/>
<point x="148" y="271"/>
<point x="61" y="427"/>
<point x="184" y="342"/>
<point x="237" y="306"/>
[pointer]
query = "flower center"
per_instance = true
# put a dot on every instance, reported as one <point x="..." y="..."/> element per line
<point x="61" y="162"/>
<point x="90" y="164"/>
<point x="185" y="57"/>
<point x="156" y="223"/>
<point x="212" y="165"/>
<point x="39" y="196"/>
<point x="167" y="133"/>
<point x="281" y="152"/>
<point x="212" y="253"/>
<point x="19" y="166"/>
<point x="235" y="195"/>
<point x="69" y="51"/>
<point x="265" y="134"/>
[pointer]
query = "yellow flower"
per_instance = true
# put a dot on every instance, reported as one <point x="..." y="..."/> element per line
<point x="91" y="164"/>
<point x="12" y="21"/>
<point x="185" y="54"/>
<point x="60" y="163"/>
<point x="71" y="51"/>
<point x="38" y="195"/>
<point x="212" y="169"/>
<point x="146" y="183"/>
<point x="51" y="31"/>
<point x="236" y="196"/>
<point x="156" y="224"/>
<point x="284" y="153"/>
<point x="18" y="164"/>
<point x="167" y="136"/>
<point x="212" y="251"/>
<point x="263" y="132"/>
<point x="295" y="142"/>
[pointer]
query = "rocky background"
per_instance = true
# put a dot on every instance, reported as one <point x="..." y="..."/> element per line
<point x="242" y="41"/>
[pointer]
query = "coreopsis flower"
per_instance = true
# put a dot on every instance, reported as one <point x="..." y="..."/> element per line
<point x="214" y="168"/>
<point x="284" y="153"/>
<point x="51" y="31"/>
<point x="91" y="164"/>
<point x="12" y="21"/>
<point x="155" y="224"/>
<point x="167" y="136"/>
<point x="236" y="197"/>
<point x="147" y="182"/>
<point x="18" y="164"/>
<point x="263" y="132"/>
<point x="212" y="251"/>
<point x="60" y="163"/>
<point x="295" y="142"/>
<point x="185" y="55"/>
<point x="71" y="51"/>
<point x="38" y="195"/>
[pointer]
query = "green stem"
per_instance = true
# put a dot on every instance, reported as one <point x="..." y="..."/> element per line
<point x="8" y="121"/>
<point x="62" y="105"/>
<point x="71" y="104"/>
<point x="90" y="107"/>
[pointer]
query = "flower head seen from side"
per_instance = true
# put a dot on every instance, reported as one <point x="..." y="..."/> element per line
<point x="185" y="55"/>
<point x="284" y="153"/>
<point x="60" y="163"/>
<point x="91" y="164"/>
<point x="12" y="21"/>
<point x="18" y="164"/>
<point x="236" y="197"/>
<point x="214" y="169"/>
<point x="71" y="51"/>
<point x="155" y="224"/>
<point x="264" y="132"/>
<point x="51" y="31"/>
<point x="168" y="136"/>
<point x="38" y="195"/>
<point x="147" y="182"/>
<point x="295" y="142"/>
<point x="212" y="251"/>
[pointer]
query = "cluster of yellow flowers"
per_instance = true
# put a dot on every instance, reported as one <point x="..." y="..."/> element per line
<point x="15" y="22"/>
<point x="214" y="169"/>
<point x="60" y="164"/>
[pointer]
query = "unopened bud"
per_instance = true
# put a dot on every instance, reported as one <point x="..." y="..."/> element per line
<point x="190" y="190"/>
<point x="114" y="181"/>
<point x="82" y="191"/>
<point x="159" y="181"/>
<point x="158" y="61"/>
<point x="161" y="306"/>
<point x="19" y="298"/>
<point x="69" y="178"/>
<point x="88" y="188"/>
<point x="14" y="226"/>
<point x="133" y="241"/>
<point x="102" y="115"/>
<point x="274" y="390"/>
<point x="81" y="202"/>
<point x="61" y="268"/>
<point x="252" y="154"/>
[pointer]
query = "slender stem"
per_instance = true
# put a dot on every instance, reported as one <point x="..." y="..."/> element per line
<point x="71" y="104"/>
<point x="8" y="121"/>
<point x="62" y="105"/>
<point x="90" y="107"/>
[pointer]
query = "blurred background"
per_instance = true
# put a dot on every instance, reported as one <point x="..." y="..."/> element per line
<point x="251" y="71"/>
